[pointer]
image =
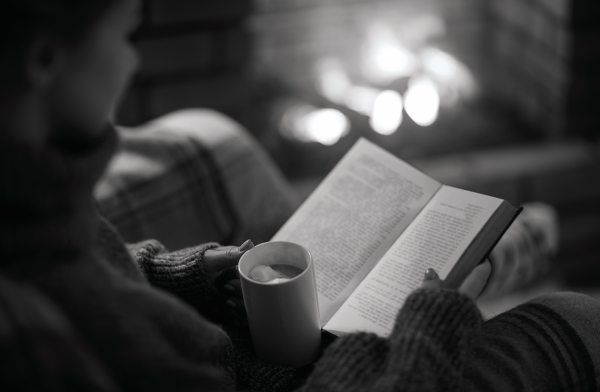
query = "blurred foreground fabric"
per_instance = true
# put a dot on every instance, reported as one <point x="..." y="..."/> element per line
<point x="527" y="250"/>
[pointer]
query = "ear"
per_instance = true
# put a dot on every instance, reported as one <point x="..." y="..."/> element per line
<point x="43" y="60"/>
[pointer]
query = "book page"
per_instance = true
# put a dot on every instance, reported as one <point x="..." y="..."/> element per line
<point x="436" y="238"/>
<point x="354" y="216"/>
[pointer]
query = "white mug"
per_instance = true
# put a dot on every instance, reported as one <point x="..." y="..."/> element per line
<point x="283" y="317"/>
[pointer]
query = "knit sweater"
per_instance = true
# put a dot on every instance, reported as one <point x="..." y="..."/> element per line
<point x="125" y="332"/>
<point x="80" y="310"/>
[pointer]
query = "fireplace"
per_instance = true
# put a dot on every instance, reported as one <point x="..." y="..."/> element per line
<point x="422" y="78"/>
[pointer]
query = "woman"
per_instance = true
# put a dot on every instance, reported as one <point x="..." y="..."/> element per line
<point x="80" y="310"/>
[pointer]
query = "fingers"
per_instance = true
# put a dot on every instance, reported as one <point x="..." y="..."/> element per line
<point x="235" y="299"/>
<point x="431" y="279"/>
<point x="473" y="284"/>
<point x="220" y="265"/>
<point x="234" y="286"/>
<point x="236" y="303"/>
<point x="221" y="258"/>
<point x="230" y="273"/>
<point x="476" y="281"/>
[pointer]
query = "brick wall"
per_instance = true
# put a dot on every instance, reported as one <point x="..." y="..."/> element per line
<point x="292" y="35"/>
<point x="194" y="54"/>
<point x="547" y="62"/>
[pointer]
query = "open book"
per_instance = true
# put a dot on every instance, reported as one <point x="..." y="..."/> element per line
<point x="375" y="224"/>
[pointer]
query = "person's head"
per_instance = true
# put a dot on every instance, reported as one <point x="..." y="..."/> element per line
<point x="63" y="65"/>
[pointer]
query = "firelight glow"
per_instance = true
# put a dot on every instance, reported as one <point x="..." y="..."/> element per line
<point x="393" y="60"/>
<point x="387" y="113"/>
<point x="418" y="30"/>
<point x="326" y="126"/>
<point x="448" y="71"/>
<point x="384" y="58"/>
<point x="306" y="123"/>
<point x="332" y="80"/>
<point x="422" y="101"/>
<point x="361" y="99"/>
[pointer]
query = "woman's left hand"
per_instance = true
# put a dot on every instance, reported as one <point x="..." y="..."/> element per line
<point x="473" y="284"/>
<point x="220" y="264"/>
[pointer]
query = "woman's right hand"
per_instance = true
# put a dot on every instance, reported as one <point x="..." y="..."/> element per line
<point x="220" y="264"/>
<point x="473" y="284"/>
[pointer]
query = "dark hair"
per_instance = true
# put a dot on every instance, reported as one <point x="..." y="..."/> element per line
<point x="20" y="20"/>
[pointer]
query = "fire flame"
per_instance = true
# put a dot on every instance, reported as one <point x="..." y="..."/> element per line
<point x="436" y="78"/>
<point x="384" y="58"/>
<point x="422" y="101"/>
<point x="386" y="116"/>
<point x="310" y="124"/>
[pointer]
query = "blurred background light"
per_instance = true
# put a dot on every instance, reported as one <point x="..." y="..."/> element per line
<point x="449" y="73"/>
<point x="384" y="58"/>
<point x="326" y="126"/>
<point x="361" y="99"/>
<point x="307" y="123"/>
<point x="422" y="101"/>
<point x="332" y="80"/>
<point x="418" y="30"/>
<point x="387" y="112"/>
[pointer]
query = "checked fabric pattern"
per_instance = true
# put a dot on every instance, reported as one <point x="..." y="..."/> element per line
<point x="192" y="177"/>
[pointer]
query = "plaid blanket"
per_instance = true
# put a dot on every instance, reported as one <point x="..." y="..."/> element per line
<point x="191" y="177"/>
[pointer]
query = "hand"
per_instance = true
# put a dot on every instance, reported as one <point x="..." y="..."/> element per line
<point x="473" y="284"/>
<point x="220" y="265"/>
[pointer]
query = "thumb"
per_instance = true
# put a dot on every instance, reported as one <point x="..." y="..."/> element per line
<point x="431" y="279"/>
<point x="221" y="258"/>
<point x="474" y="284"/>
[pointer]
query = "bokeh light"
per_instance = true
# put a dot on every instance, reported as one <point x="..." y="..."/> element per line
<point x="307" y="123"/>
<point x="361" y="99"/>
<point x="326" y="126"/>
<point x="332" y="80"/>
<point x="387" y="112"/>
<point x="453" y="77"/>
<point x="422" y="101"/>
<point x="384" y="58"/>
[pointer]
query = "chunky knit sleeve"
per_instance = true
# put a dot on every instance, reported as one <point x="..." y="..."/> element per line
<point x="40" y="348"/>
<point x="181" y="272"/>
<point x="426" y="351"/>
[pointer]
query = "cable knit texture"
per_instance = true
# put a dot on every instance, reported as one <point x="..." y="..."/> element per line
<point x="180" y="272"/>
<point x="426" y="351"/>
<point x="75" y="306"/>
